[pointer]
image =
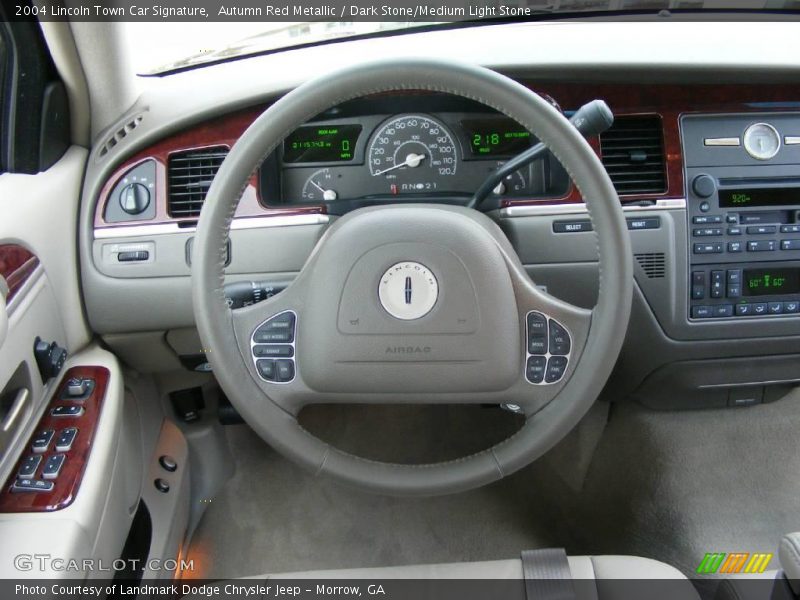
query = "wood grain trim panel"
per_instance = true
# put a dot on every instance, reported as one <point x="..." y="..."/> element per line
<point x="17" y="264"/>
<point x="69" y="480"/>
<point x="669" y="101"/>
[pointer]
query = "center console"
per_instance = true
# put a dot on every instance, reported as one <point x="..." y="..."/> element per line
<point x="743" y="207"/>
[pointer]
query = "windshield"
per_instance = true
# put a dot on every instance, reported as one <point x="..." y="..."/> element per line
<point x="175" y="45"/>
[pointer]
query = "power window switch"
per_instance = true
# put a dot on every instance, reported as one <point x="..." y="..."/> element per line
<point x="42" y="441"/>
<point x="53" y="466"/>
<point x="29" y="465"/>
<point x="66" y="439"/>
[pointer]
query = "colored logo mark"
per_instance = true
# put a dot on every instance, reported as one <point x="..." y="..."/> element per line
<point x="734" y="562"/>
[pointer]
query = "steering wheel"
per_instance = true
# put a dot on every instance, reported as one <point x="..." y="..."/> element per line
<point x="413" y="303"/>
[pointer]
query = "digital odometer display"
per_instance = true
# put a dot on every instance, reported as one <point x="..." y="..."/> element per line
<point x="768" y="282"/>
<point x="496" y="137"/>
<point x="740" y="198"/>
<point x="321" y="143"/>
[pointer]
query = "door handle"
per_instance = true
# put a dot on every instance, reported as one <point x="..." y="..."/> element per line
<point x="16" y="410"/>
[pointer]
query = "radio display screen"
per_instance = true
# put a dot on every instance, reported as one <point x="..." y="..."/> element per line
<point x="321" y="143"/>
<point x="742" y="198"/>
<point x="768" y="282"/>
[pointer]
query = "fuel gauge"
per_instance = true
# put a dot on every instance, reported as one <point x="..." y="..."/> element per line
<point x="320" y="187"/>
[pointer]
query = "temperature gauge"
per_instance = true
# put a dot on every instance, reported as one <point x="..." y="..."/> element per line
<point x="320" y="187"/>
<point x="512" y="184"/>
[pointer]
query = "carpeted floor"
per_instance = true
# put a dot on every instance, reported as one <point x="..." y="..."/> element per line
<point x="665" y="485"/>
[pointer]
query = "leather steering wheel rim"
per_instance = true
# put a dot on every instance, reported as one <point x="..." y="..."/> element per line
<point x="607" y="322"/>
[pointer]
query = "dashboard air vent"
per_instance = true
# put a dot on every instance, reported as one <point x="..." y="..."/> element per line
<point x="633" y="154"/>
<point x="189" y="175"/>
<point x="653" y="264"/>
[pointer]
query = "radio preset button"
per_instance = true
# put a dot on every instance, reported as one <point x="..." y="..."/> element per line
<point x="761" y="246"/>
<point x="790" y="244"/>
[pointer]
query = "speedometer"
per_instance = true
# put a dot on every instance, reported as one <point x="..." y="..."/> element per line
<point x="413" y="154"/>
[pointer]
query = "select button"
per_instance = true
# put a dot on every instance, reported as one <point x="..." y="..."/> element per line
<point x="572" y="226"/>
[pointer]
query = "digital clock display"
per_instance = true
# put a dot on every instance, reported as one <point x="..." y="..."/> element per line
<point x="740" y="198"/>
<point x="769" y="282"/>
<point x="321" y="144"/>
<point x="496" y="137"/>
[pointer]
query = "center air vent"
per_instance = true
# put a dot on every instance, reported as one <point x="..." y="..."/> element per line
<point x="189" y="175"/>
<point x="633" y="154"/>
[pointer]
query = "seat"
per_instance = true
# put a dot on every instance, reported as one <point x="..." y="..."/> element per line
<point x="593" y="578"/>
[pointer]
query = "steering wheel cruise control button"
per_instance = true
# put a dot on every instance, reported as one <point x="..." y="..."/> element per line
<point x="275" y="339"/>
<point x="265" y="350"/>
<point x="266" y="368"/>
<point x="285" y="369"/>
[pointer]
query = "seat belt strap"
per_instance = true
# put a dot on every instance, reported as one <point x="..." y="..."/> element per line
<point x="547" y="575"/>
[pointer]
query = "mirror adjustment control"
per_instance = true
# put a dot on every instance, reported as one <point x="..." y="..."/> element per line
<point x="77" y="388"/>
<point x="67" y="410"/>
<point x="50" y="358"/>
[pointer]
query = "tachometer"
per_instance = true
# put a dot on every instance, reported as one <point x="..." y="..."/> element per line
<point x="413" y="154"/>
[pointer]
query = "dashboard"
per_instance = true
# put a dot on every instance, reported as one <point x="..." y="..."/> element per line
<point x="695" y="329"/>
<point x="401" y="148"/>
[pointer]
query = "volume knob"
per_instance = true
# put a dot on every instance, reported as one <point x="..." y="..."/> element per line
<point x="704" y="186"/>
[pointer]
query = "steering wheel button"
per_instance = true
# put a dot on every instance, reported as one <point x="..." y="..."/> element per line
<point x="556" y="367"/>
<point x="537" y="344"/>
<point x="559" y="339"/>
<point x="267" y="336"/>
<point x="262" y="351"/>
<point x="285" y="370"/>
<point x="266" y="368"/>
<point x="536" y="368"/>
<point x="537" y="324"/>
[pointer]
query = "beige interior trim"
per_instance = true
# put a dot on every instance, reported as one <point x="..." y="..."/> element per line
<point x="58" y="36"/>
